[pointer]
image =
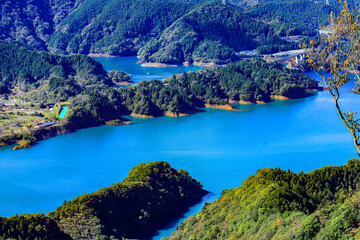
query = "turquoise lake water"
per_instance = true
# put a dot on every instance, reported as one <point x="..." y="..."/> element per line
<point x="219" y="148"/>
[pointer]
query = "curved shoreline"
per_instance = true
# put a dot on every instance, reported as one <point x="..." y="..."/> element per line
<point x="104" y="55"/>
<point x="141" y="115"/>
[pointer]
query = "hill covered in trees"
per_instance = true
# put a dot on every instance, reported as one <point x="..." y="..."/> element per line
<point x="214" y="32"/>
<point x="277" y="204"/>
<point x="210" y="33"/>
<point x="133" y="208"/>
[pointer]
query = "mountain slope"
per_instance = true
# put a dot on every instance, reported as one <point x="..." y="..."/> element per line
<point x="117" y="27"/>
<point x="210" y="33"/>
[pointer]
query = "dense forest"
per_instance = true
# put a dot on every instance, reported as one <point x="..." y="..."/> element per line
<point x="133" y="208"/>
<point x="251" y="81"/>
<point x="277" y="204"/>
<point x="117" y="27"/>
<point x="165" y="31"/>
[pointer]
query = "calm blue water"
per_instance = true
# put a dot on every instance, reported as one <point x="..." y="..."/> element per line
<point x="139" y="73"/>
<point x="220" y="148"/>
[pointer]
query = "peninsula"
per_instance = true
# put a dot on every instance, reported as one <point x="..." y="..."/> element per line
<point x="91" y="99"/>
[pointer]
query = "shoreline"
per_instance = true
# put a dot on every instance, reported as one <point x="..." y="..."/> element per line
<point x="141" y="115"/>
<point x="104" y="55"/>
<point x="53" y="131"/>
<point x="279" y="97"/>
<point x="157" y="65"/>
<point x="209" y="65"/>
<point x="37" y="135"/>
<point x="124" y="83"/>
<point x="227" y="107"/>
<point x="172" y="114"/>
<point x="198" y="64"/>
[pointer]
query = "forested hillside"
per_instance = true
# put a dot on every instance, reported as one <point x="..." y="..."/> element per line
<point x="33" y="22"/>
<point x="45" y="77"/>
<point x="277" y="204"/>
<point x="133" y="208"/>
<point x="117" y="27"/>
<point x="212" y="33"/>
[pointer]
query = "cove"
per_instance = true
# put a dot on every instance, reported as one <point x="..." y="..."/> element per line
<point x="140" y="73"/>
<point x="217" y="147"/>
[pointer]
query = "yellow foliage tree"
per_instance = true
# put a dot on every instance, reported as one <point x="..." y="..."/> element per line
<point x="338" y="54"/>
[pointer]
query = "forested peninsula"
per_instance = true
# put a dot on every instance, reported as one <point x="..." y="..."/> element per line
<point x="81" y="84"/>
<point x="241" y="82"/>
<point x="150" y="195"/>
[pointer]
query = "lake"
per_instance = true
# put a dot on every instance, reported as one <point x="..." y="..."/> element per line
<point x="217" y="147"/>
